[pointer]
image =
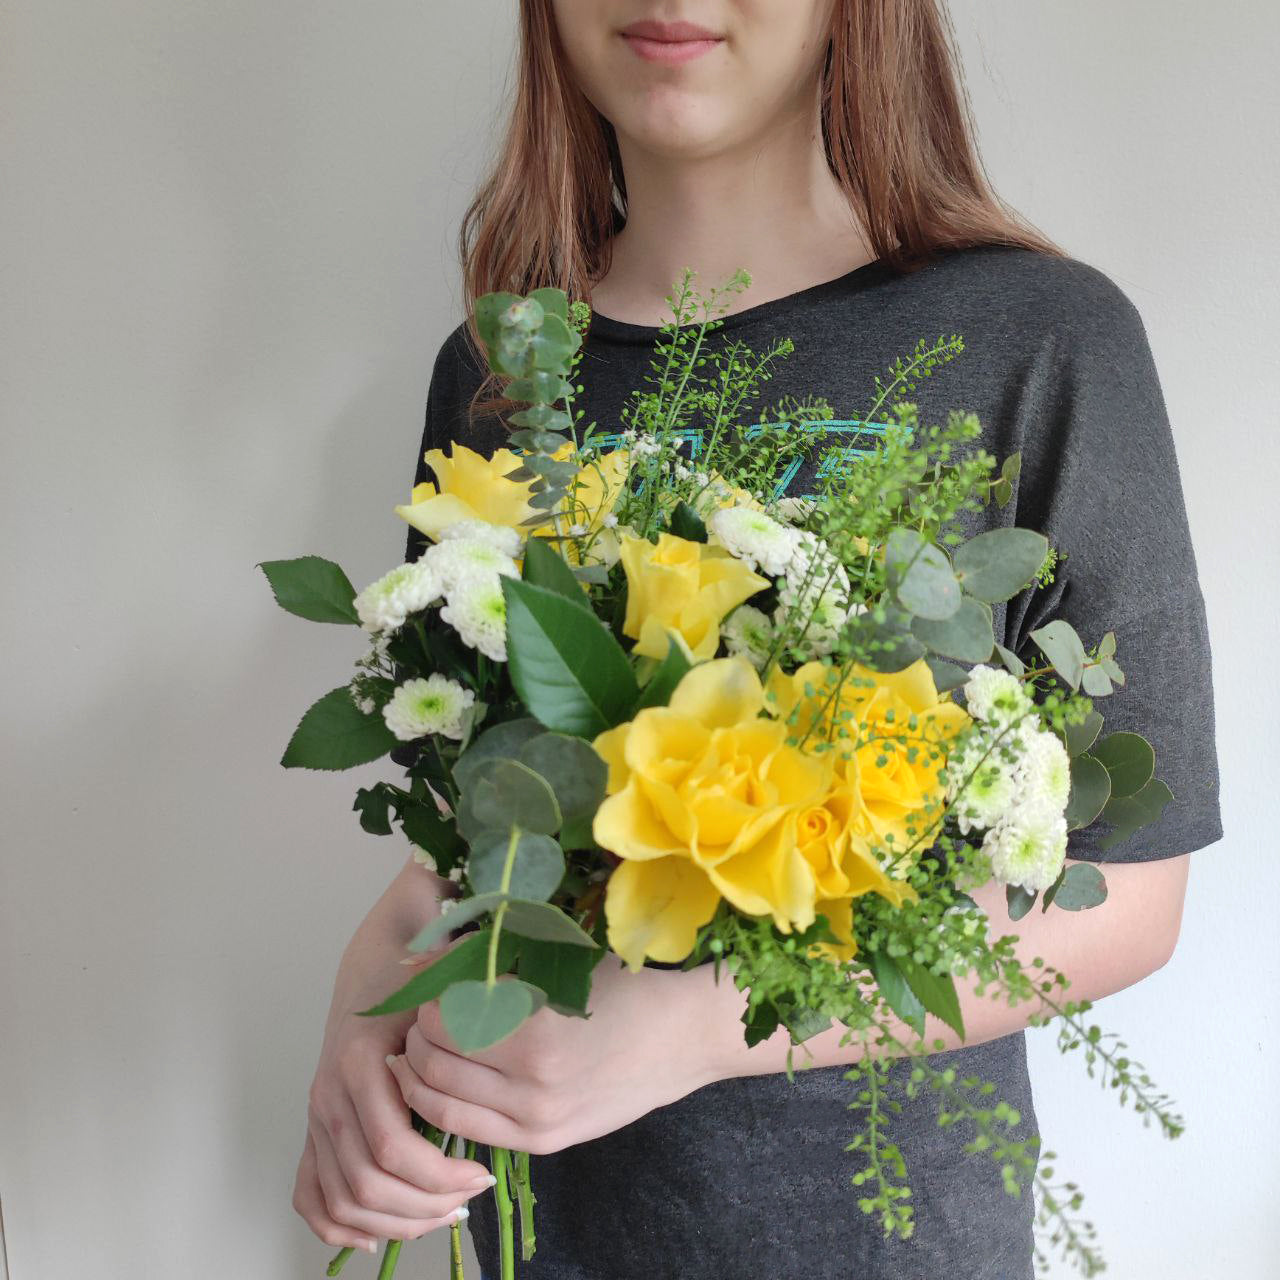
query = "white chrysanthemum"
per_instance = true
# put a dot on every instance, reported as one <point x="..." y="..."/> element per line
<point x="385" y="604"/>
<point x="477" y="611"/>
<point x="462" y="560"/>
<point x="983" y="782"/>
<point x="1045" y="771"/>
<point x="422" y="707"/>
<point x="498" y="536"/>
<point x="813" y="573"/>
<point x="423" y="857"/>
<point x="995" y="696"/>
<point x="795" y="510"/>
<point x="756" y="539"/>
<point x="1028" y="847"/>
<point x="749" y="633"/>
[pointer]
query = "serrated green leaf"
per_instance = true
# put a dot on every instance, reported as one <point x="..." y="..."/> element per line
<point x="546" y="568"/>
<point x="335" y="734"/>
<point x="312" y="588"/>
<point x="896" y="990"/>
<point x="469" y="958"/>
<point x="568" y="669"/>
<point x="374" y="804"/>
<point x="996" y="565"/>
<point x="937" y="993"/>
<point x="562" y="972"/>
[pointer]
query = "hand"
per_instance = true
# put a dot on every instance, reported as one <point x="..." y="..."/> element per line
<point x="558" y="1080"/>
<point x="365" y="1172"/>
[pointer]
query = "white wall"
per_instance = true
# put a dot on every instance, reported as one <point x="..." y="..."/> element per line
<point x="228" y="240"/>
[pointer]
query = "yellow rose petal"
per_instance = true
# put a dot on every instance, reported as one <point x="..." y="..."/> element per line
<point x="655" y="909"/>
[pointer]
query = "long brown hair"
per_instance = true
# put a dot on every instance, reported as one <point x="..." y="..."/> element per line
<point x="897" y="126"/>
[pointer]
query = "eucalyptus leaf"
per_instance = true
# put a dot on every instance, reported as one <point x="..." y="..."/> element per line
<point x="577" y="776"/>
<point x="537" y="864"/>
<point x="312" y="588"/>
<point x="504" y="739"/>
<point x="543" y="921"/>
<point x="1129" y="759"/>
<point x="505" y="793"/>
<point x="1095" y="681"/>
<point x="884" y="638"/>
<point x="336" y="734"/>
<point x="1080" y="737"/>
<point x="1059" y="643"/>
<point x="1131" y="813"/>
<point x="1083" y="886"/>
<point x="461" y="910"/>
<point x="1090" y="791"/>
<point x="967" y="636"/>
<point x="946" y="675"/>
<point x="1019" y="900"/>
<point x="468" y="958"/>
<point x="478" y="1015"/>
<point x="996" y="565"/>
<point x="1012" y="663"/>
<point x="920" y="575"/>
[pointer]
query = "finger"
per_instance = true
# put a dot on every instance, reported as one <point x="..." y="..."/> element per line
<point x="480" y="1124"/>
<point x="367" y="1185"/>
<point x="346" y="1210"/>
<point x="460" y="1077"/>
<point x="308" y="1201"/>
<point x="400" y="1150"/>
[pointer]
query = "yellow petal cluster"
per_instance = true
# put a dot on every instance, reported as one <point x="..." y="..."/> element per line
<point x="681" y="586"/>
<point x="892" y="767"/>
<point x="707" y="800"/>
<point x="471" y="487"/>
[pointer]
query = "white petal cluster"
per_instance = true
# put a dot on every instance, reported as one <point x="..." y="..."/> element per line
<point x="434" y="705"/>
<point x="498" y="536"/>
<point x="1028" y="847"/>
<point x="748" y="633"/>
<point x="814" y="591"/>
<point x="984" y="776"/>
<point x="384" y="605"/>
<point x="1044" y="771"/>
<point x="462" y="560"/>
<point x="477" y="611"/>
<point x="756" y="539"/>
<point x="795" y="510"/>
<point x="995" y="696"/>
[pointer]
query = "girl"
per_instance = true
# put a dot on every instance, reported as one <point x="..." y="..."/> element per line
<point x="822" y="145"/>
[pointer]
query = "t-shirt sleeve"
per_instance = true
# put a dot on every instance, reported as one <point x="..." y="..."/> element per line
<point x="1100" y="478"/>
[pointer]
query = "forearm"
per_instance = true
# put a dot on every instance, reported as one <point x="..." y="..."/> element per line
<point x="371" y="965"/>
<point x="1100" y="951"/>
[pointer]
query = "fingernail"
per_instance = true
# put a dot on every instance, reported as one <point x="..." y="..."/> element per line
<point x="488" y="1180"/>
<point x="460" y="1213"/>
<point x="391" y="1057"/>
<point x="370" y="1245"/>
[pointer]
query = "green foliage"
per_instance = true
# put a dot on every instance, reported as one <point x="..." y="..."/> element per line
<point x="312" y="588"/>
<point x="468" y="959"/>
<point x="335" y="734"/>
<point x="477" y="1015"/>
<point x="996" y="565"/>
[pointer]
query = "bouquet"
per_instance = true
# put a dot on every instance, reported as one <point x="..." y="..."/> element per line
<point x="654" y="707"/>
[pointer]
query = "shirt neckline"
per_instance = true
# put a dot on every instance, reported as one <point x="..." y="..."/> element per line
<point x="859" y="278"/>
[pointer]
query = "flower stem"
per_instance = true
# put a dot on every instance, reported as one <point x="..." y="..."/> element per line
<point x="455" y="1252"/>
<point x="502" y="1191"/>
<point x="339" y="1261"/>
<point x="526" y="1200"/>
<point x="389" y="1256"/>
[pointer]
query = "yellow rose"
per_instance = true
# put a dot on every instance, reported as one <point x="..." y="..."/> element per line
<point x="894" y="766"/>
<point x="681" y="586"/>
<point x="592" y="495"/>
<point x="703" y="802"/>
<point x="471" y="487"/>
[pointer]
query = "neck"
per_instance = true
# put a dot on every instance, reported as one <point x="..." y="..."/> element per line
<point x="770" y="205"/>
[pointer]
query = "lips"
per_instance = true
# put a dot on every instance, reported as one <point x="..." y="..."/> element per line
<point x="669" y="32"/>
<point x="669" y="42"/>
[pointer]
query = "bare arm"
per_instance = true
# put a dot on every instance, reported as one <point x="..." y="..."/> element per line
<point x="365" y="1173"/>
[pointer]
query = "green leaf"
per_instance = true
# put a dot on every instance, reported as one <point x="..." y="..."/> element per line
<point x="1090" y="791"/>
<point x="686" y="523"/>
<point x="1095" y="681"/>
<point x="563" y="973"/>
<point x="567" y="668"/>
<point x="374" y="804"/>
<point x="936" y="993"/>
<point x="462" y="910"/>
<point x="967" y="635"/>
<point x="1083" y="886"/>
<point x="920" y="575"/>
<point x="424" y="824"/>
<point x="946" y="675"/>
<point x="1131" y="813"/>
<point x="1012" y="663"/>
<point x="538" y="388"/>
<point x="553" y="344"/>
<point x="478" y="1015"/>
<point x="1080" y="737"/>
<point x="883" y="640"/>
<point x="543" y="921"/>
<point x="1059" y="643"/>
<point x="576" y="775"/>
<point x="996" y="565"/>
<point x="488" y="309"/>
<point x="502" y="740"/>
<point x="897" y="992"/>
<point x="545" y="567"/>
<point x="669" y="672"/>
<point x="502" y="794"/>
<point x="336" y="734"/>
<point x="1130" y="761"/>
<point x="536" y="871"/>
<point x="312" y="588"/>
<point x="468" y="959"/>
<point x="1019" y="900"/>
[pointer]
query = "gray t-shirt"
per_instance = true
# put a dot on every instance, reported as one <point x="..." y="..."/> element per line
<point x="749" y="1177"/>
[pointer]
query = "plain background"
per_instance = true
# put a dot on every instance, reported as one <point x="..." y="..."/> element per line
<point x="228" y="264"/>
